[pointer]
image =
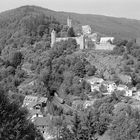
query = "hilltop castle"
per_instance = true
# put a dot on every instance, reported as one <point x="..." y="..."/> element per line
<point x="82" y="40"/>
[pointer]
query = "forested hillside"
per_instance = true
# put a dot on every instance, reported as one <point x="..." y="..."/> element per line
<point x="15" y="20"/>
<point x="61" y="74"/>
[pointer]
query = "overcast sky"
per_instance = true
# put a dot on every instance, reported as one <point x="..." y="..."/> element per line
<point x="117" y="8"/>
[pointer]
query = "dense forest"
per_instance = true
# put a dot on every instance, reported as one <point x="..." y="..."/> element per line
<point x="25" y="39"/>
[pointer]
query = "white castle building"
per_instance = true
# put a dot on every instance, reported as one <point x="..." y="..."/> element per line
<point x="104" y="40"/>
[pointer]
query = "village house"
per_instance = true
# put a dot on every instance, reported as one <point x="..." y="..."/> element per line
<point x="122" y="87"/>
<point x="34" y="101"/>
<point x="37" y="106"/>
<point x="129" y="93"/>
<point x="110" y="86"/>
<point x="42" y="101"/>
<point x="95" y="87"/>
<point x="95" y="82"/>
<point x="29" y="100"/>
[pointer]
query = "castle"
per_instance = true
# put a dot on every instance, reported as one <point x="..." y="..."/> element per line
<point x="82" y="40"/>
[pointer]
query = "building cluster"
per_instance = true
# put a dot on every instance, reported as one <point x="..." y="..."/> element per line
<point x="38" y="114"/>
<point x="100" y="43"/>
<point x="108" y="87"/>
<point x="38" y="106"/>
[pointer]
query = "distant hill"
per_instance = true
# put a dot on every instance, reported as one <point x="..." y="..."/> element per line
<point x="118" y="27"/>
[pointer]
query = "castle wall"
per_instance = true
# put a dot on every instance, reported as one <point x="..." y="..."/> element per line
<point x="80" y="40"/>
<point x="104" y="46"/>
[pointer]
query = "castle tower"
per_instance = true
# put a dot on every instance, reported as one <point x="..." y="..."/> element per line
<point x="53" y="37"/>
<point x="82" y="42"/>
<point x="69" y="22"/>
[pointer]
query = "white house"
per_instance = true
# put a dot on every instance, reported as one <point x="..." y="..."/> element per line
<point x="104" y="40"/>
<point x="110" y="85"/>
<point x="29" y="99"/>
<point x="94" y="80"/>
<point x="95" y="87"/>
<point x="129" y="93"/>
<point x="122" y="87"/>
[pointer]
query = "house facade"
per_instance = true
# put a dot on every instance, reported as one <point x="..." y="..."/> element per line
<point x="94" y="82"/>
<point x="110" y="86"/>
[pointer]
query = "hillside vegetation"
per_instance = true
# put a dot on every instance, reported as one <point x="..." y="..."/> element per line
<point x="118" y="27"/>
<point x="29" y="66"/>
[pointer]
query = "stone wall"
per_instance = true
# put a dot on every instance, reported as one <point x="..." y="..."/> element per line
<point x="80" y="40"/>
<point x="104" y="46"/>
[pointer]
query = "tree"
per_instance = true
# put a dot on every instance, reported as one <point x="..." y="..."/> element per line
<point x="81" y="129"/>
<point x="79" y="69"/>
<point x="119" y="50"/>
<point x="103" y="88"/>
<point x="90" y="70"/>
<point x="125" y="124"/>
<point x="13" y="120"/>
<point x="70" y="32"/>
<point x="88" y="126"/>
<point x="15" y="59"/>
<point x="66" y="133"/>
<point x="74" y="132"/>
<point x="138" y="86"/>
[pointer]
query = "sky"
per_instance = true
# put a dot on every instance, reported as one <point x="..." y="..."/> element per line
<point x="116" y="8"/>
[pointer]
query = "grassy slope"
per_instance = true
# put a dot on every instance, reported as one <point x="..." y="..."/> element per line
<point x="124" y="28"/>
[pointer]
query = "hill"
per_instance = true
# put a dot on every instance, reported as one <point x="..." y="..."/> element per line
<point x="118" y="27"/>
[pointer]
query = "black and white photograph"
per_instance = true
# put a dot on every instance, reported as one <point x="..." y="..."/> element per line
<point x="70" y="70"/>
